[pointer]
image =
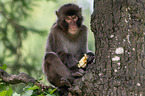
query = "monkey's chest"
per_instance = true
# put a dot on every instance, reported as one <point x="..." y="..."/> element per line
<point x="71" y="47"/>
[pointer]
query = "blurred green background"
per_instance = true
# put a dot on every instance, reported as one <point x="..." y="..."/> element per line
<point x="24" y="27"/>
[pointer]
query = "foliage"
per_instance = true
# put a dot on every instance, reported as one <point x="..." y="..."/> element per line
<point x="29" y="90"/>
<point x="5" y="90"/>
<point x="4" y="67"/>
<point x="33" y="90"/>
<point x="12" y="30"/>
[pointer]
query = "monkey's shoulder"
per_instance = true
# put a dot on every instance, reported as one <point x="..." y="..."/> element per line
<point x="55" y="29"/>
<point x="84" y="28"/>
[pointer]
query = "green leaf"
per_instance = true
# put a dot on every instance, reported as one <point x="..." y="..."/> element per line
<point x="4" y="67"/>
<point x="3" y="87"/>
<point x="40" y="78"/>
<point x="51" y="92"/>
<point x="28" y="93"/>
<point x="16" y="94"/>
<point x="3" y="93"/>
<point x="10" y="91"/>
<point x="28" y="86"/>
<point x="33" y="87"/>
<point x="48" y="95"/>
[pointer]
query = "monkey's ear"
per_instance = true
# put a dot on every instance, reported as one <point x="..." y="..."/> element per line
<point x="57" y="13"/>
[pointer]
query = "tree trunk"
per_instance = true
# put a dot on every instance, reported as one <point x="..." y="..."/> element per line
<point x="119" y="69"/>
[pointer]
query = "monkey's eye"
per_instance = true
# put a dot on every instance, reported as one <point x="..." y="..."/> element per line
<point x="74" y="17"/>
<point x="68" y="18"/>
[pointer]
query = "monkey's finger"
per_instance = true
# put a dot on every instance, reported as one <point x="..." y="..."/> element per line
<point x="77" y="74"/>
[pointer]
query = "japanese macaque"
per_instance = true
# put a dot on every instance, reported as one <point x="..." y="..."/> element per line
<point x="66" y="45"/>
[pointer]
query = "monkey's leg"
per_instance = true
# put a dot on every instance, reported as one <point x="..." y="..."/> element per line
<point x="55" y="70"/>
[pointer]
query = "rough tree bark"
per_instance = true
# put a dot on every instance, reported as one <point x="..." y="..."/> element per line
<point x="119" y="68"/>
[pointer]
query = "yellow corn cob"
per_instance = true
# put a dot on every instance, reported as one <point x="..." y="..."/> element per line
<point x="83" y="61"/>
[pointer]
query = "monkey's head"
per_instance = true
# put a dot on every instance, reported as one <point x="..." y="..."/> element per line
<point x="69" y="18"/>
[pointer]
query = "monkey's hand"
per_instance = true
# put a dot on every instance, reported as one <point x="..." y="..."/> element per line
<point x="91" y="57"/>
<point x="78" y="73"/>
<point x="83" y="62"/>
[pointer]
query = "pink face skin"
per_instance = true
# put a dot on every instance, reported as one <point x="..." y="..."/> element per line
<point x="72" y="25"/>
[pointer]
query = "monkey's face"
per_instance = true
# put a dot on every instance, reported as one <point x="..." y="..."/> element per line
<point x="72" y="24"/>
<point x="70" y="18"/>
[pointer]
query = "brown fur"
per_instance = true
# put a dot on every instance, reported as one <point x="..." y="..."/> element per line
<point x="64" y="50"/>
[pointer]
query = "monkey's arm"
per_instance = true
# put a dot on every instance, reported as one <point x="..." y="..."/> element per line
<point x="83" y="43"/>
<point x="68" y="59"/>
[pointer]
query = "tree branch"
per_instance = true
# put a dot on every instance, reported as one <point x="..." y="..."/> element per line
<point x="15" y="79"/>
<point x="20" y="78"/>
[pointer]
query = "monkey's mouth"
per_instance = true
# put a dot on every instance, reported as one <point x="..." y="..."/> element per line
<point x="73" y="31"/>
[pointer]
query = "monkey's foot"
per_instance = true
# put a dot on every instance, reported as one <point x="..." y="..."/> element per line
<point x="65" y="81"/>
